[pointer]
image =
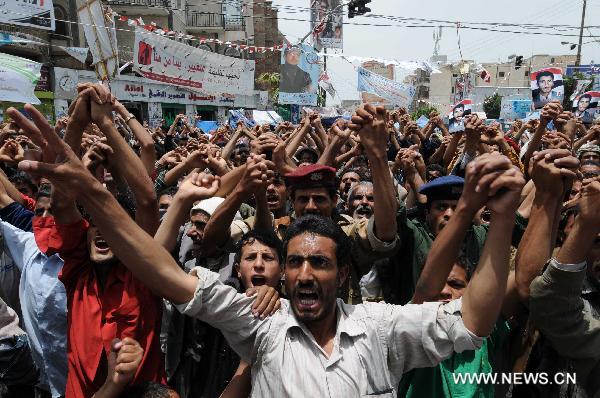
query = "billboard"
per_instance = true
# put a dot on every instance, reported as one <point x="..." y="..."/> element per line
<point x="165" y="60"/>
<point x="327" y="23"/>
<point x="299" y="75"/>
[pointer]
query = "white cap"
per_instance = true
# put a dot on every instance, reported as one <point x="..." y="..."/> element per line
<point x="210" y="205"/>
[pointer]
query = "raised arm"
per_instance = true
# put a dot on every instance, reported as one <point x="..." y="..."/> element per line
<point x="129" y="166"/>
<point x="370" y="122"/>
<point x="556" y="306"/>
<point x="147" y="150"/>
<point x="552" y="174"/>
<point x="483" y="298"/>
<point x="197" y="186"/>
<point x="149" y="262"/>
<point x="217" y="230"/>
<point x="548" y="113"/>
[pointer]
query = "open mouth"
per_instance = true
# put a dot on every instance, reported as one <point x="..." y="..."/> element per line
<point x="307" y="298"/>
<point x="258" y="280"/>
<point x="101" y="244"/>
<point x="272" y="199"/>
<point x="364" y="211"/>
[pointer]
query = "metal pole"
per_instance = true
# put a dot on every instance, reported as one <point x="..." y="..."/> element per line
<point x="578" y="60"/>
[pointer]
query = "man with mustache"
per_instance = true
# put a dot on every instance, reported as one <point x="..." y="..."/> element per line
<point x="360" y="200"/>
<point x="315" y="345"/>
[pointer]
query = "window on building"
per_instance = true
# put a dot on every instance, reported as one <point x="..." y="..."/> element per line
<point x="455" y="75"/>
<point x="62" y="27"/>
<point x="501" y="74"/>
<point x="453" y="90"/>
<point x="552" y="60"/>
<point x="526" y="73"/>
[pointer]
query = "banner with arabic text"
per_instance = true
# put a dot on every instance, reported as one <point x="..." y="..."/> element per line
<point x="168" y="61"/>
<point x="395" y="92"/>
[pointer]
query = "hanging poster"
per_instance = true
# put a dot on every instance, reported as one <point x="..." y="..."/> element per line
<point x="327" y="23"/>
<point x="456" y="118"/>
<point x="586" y="107"/>
<point x="299" y="75"/>
<point x="36" y="14"/>
<point x="168" y="61"/>
<point x="546" y="86"/>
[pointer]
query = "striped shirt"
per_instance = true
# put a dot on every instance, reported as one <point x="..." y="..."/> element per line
<point x="374" y="344"/>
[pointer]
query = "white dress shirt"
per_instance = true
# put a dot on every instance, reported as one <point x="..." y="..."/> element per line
<point x="374" y="343"/>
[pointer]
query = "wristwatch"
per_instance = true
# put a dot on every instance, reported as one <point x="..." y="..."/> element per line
<point x="129" y="117"/>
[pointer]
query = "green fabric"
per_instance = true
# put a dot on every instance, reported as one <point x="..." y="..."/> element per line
<point x="403" y="270"/>
<point x="438" y="381"/>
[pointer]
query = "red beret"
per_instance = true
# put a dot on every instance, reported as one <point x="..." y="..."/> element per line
<point x="314" y="175"/>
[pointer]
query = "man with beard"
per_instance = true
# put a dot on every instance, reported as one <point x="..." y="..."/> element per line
<point x="360" y="200"/>
<point x="314" y="345"/>
<point x="313" y="190"/>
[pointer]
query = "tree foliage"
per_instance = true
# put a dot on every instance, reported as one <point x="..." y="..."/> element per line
<point x="492" y="105"/>
<point x="270" y="81"/>
<point x="423" y="110"/>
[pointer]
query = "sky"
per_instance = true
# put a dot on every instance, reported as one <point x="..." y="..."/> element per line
<point x="414" y="44"/>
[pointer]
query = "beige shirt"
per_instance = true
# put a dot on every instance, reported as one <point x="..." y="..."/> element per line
<point x="374" y="344"/>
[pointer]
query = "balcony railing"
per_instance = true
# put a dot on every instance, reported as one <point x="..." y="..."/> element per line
<point x="140" y="3"/>
<point x="199" y="19"/>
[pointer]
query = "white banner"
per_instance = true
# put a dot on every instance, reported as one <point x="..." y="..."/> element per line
<point x="397" y="93"/>
<point x="168" y="61"/>
<point x="133" y="88"/>
<point x="18" y="77"/>
<point x="37" y="14"/>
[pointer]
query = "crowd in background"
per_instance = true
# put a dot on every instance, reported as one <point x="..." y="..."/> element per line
<point x="369" y="257"/>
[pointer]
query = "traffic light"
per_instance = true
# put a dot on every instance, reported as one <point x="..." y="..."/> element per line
<point x="357" y="7"/>
<point x="518" y="61"/>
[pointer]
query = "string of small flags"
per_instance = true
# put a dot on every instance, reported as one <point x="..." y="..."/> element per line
<point x="154" y="28"/>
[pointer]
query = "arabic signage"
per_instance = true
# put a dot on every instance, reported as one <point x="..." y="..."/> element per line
<point x="131" y="88"/>
<point x="396" y="93"/>
<point x="35" y="13"/>
<point x="168" y="61"/>
<point x="18" y="77"/>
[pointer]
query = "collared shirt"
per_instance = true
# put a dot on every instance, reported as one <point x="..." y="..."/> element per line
<point x="402" y="271"/>
<point x="374" y="343"/>
<point x="124" y="308"/>
<point x="43" y="302"/>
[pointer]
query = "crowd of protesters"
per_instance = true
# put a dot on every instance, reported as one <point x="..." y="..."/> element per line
<point x="370" y="257"/>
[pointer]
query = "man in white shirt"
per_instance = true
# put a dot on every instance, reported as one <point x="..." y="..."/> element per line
<point x="314" y="345"/>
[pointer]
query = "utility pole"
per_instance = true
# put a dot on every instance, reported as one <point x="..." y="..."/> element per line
<point x="578" y="60"/>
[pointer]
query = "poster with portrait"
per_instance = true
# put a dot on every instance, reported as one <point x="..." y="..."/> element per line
<point x="546" y="86"/>
<point x="327" y="23"/>
<point x="456" y="117"/>
<point x="299" y="75"/>
<point x="586" y="107"/>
